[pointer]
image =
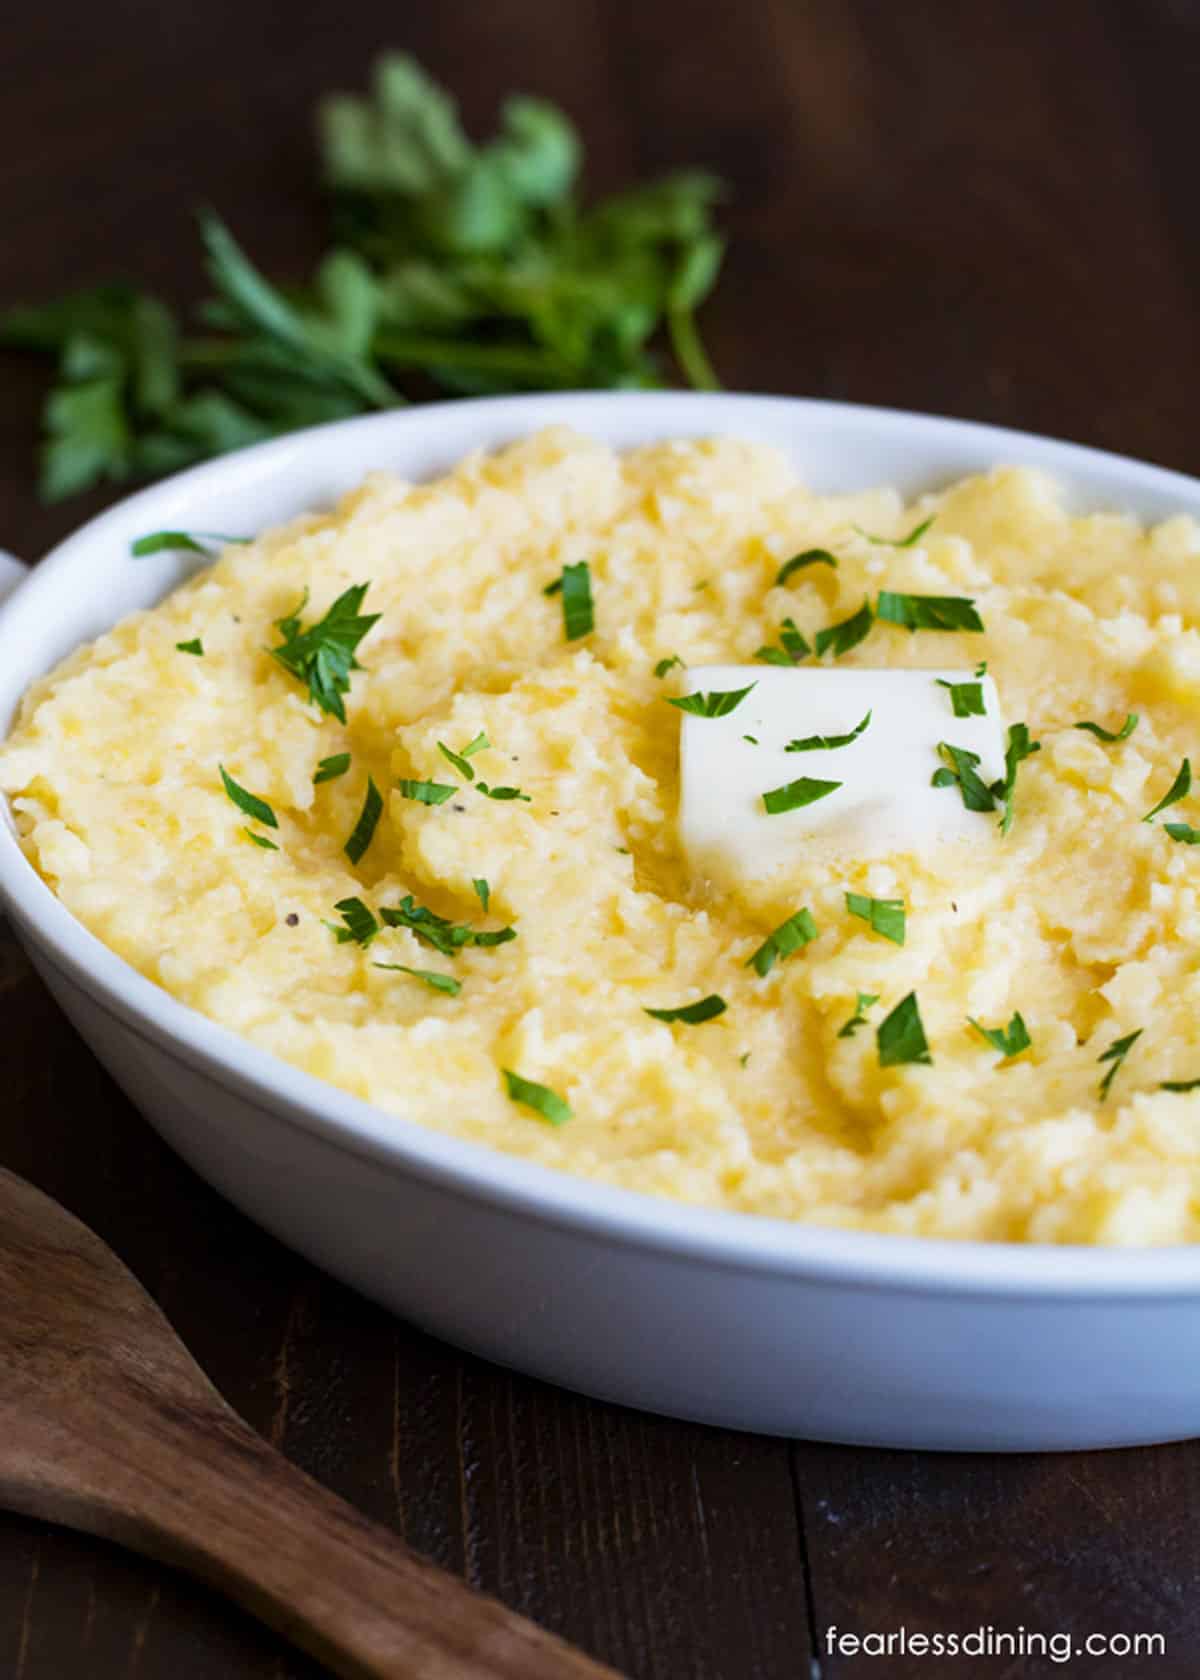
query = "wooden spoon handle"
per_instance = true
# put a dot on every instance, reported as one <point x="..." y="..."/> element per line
<point x="236" y="1514"/>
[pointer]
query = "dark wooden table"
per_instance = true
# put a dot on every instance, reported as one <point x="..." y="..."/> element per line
<point x="983" y="210"/>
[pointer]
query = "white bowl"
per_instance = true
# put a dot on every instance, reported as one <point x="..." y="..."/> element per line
<point x="723" y="1317"/>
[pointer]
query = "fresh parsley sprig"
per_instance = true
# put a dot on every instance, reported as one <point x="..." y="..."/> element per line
<point x="801" y="562"/>
<point x="692" y="1014"/>
<point x="1102" y="734"/>
<point x="474" y="266"/>
<point x="862" y="1002"/>
<point x="900" y="1037"/>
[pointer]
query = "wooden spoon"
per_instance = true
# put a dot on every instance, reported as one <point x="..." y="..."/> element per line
<point x="107" y="1424"/>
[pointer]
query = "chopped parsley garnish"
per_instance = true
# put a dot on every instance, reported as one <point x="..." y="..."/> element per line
<point x="792" y="795"/>
<point x="250" y="803"/>
<point x="540" y="1098"/>
<point x="885" y="915"/>
<point x="426" y="793"/>
<point x="260" y="840"/>
<point x="443" y="935"/>
<point x="554" y="588"/>
<point x="753" y="739"/>
<point x="961" y="770"/>
<point x="1180" y="1085"/>
<point x="195" y="646"/>
<point x="1116" y="1054"/>
<point x="1179" y="789"/>
<point x="1183" y="832"/>
<point x="927" y="612"/>
<point x="322" y="657"/>
<point x="692" y="1013"/>
<point x="965" y="697"/>
<point x="914" y="536"/>
<point x="437" y="982"/>
<point x="826" y="743"/>
<point x="368" y="819"/>
<point x="482" y="892"/>
<point x="665" y="665"/>
<point x="717" y="704"/>
<point x="361" y="926"/>
<point x="798" y="563"/>
<point x="1009" y="1040"/>
<point x="329" y="769"/>
<point x="1101" y="734"/>
<point x="502" y="792"/>
<point x="575" y="585"/>
<point x="901" y="1036"/>
<point x="799" y="930"/>
<point x="171" y="542"/>
<point x="840" y="638"/>
<point x="793" y="647"/>
<point x="460" y="760"/>
<point x="862" y="1002"/>
<point x="1019" y="748"/>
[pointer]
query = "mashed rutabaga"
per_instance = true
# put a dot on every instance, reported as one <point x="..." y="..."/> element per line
<point x="1084" y="919"/>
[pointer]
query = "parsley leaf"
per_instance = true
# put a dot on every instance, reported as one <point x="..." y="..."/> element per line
<point x="1019" y="748"/>
<point x="443" y="935"/>
<point x="1183" y="832"/>
<point x="459" y="760"/>
<point x="961" y="770"/>
<point x="814" y="743"/>
<point x="482" y="892"/>
<point x="322" y="656"/>
<point x="194" y="542"/>
<point x="901" y="1036"/>
<point x="798" y="563"/>
<point x="368" y="818"/>
<point x="717" y="704"/>
<point x="913" y="537"/>
<point x="195" y="646"/>
<point x="426" y="793"/>
<point x="840" y="638"/>
<point x="329" y="769"/>
<point x="799" y="930"/>
<point x="1180" y="1085"/>
<point x="437" y="982"/>
<point x="1010" y="1040"/>
<point x="862" y="1002"/>
<point x="927" y="612"/>
<point x="805" y="791"/>
<point x="361" y="926"/>
<point x="260" y="840"/>
<point x="792" y="646"/>
<point x="250" y="803"/>
<point x="707" y="1009"/>
<point x="540" y="1098"/>
<point x="886" y="915"/>
<point x="1179" y="789"/>
<point x="502" y="792"/>
<point x="1101" y="734"/>
<point x="665" y="665"/>
<point x="965" y="697"/>
<point x="1116" y="1054"/>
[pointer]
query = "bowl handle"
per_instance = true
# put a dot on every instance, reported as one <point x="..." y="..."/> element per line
<point x="12" y="572"/>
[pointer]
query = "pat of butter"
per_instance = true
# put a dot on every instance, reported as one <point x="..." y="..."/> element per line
<point x="885" y="803"/>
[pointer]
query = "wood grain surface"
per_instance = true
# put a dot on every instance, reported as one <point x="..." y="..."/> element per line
<point x="981" y="210"/>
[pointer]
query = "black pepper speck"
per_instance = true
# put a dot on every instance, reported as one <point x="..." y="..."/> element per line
<point x="292" y="919"/>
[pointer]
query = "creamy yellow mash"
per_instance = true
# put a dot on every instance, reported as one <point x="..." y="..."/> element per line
<point x="1084" y="918"/>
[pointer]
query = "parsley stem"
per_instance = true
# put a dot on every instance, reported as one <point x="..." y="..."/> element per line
<point x="689" y="350"/>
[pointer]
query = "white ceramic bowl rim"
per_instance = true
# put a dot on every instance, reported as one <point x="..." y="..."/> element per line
<point x="727" y="1239"/>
